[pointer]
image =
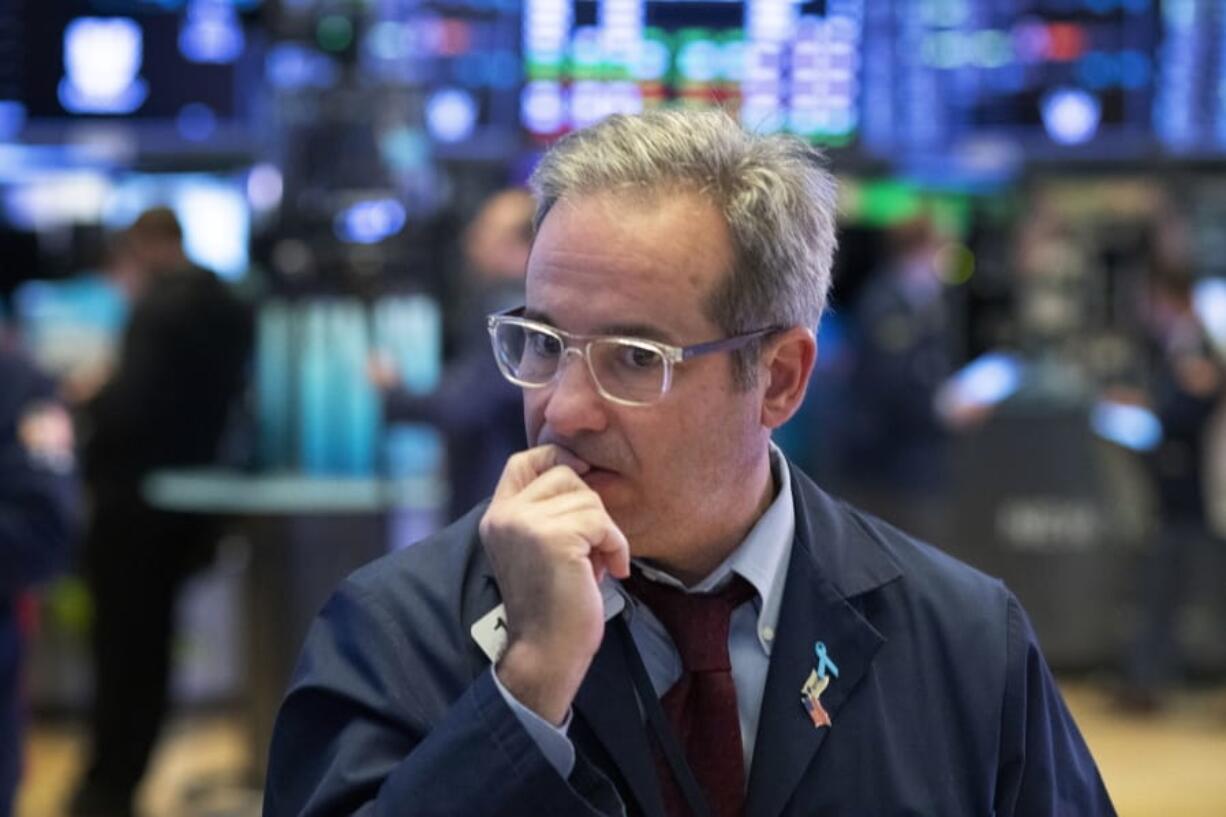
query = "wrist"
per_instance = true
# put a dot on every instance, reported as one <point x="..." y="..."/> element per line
<point x="541" y="680"/>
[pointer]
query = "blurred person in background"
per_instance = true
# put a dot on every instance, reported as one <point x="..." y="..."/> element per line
<point x="479" y="413"/>
<point x="895" y="449"/>
<point x="38" y="524"/>
<point x="181" y="365"/>
<point x="1186" y="387"/>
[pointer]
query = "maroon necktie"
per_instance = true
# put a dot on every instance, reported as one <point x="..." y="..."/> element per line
<point x="701" y="706"/>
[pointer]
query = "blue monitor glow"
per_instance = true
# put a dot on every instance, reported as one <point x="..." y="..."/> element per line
<point x="41" y="196"/>
<point x="1133" y="427"/>
<point x="1071" y="116"/>
<point x="987" y="380"/>
<point x="71" y="325"/>
<point x="12" y="118"/>
<point x="1209" y="301"/>
<point x="265" y="184"/>
<point x="451" y="114"/>
<point x="292" y="66"/>
<point x="211" y="33"/>
<point x="369" y="221"/>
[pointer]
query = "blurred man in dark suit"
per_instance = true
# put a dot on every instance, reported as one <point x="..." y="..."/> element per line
<point x="1186" y="387"/>
<point x="895" y="451"/>
<point x="181" y="366"/>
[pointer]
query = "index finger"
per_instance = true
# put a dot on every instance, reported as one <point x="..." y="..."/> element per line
<point x="523" y="468"/>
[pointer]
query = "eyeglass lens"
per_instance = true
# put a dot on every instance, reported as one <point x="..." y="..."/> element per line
<point x="623" y="368"/>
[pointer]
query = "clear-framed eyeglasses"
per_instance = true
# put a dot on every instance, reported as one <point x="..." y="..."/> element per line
<point x="626" y="370"/>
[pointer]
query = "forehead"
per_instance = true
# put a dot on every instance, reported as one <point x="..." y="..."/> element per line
<point x="617" y="259"/>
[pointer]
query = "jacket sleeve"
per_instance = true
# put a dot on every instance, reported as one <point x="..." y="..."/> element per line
<point x="352" y="739"/>
<point x="1045" y="766"/>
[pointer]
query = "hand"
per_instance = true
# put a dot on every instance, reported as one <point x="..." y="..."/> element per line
<point x="550" y="541"/>
<point x="1127" y="396"/>
<point x="82" y="384"/>
<point x="381" y="371"/>
<point x="1198" y="376"/>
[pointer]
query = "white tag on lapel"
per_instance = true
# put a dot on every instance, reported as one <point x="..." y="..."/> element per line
<point x="490" y="633"/>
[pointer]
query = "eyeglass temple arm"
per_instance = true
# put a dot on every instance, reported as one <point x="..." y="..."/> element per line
<point x="725" y="344"/>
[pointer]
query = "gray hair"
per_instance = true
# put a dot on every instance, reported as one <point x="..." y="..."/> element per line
<point x="777" y="197"/>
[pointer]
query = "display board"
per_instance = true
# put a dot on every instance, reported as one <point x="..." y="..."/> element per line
<point x="140" y="59"/>
<point x="989" y="84"/>
<point x="994" y="83"/>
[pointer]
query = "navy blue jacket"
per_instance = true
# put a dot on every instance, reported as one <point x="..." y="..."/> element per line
<point x="943" y="705"/>
<point x="38" y="516"/>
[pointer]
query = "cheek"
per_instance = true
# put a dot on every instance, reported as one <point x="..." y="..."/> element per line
<point x="667" y="446"/>
<point x="534" y="415"/>
<point x="710" y="438"/>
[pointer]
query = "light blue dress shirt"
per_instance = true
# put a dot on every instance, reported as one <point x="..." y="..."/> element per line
<point x="762" y="560"/>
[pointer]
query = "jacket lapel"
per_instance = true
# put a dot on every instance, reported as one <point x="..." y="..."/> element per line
<point x="607" y="704"/>
<point x="815" y="608"/>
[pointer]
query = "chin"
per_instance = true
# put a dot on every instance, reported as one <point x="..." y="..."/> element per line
<point x="626" y="511"/>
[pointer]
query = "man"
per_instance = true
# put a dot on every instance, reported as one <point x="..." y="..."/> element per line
<point x="181" y="365"/>
<point x="38" y="524"/>
<point x="895" y="451"/>
<point x="477" y="411"/>
<point x="1186" y="386"/>
<point x="678" y="270"/>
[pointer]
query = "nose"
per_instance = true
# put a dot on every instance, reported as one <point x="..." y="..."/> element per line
<point x="573" y="404"/>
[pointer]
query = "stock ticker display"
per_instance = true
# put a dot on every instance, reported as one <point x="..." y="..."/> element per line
<point x="989" y="81"/>
<point x="1059" y="79"/>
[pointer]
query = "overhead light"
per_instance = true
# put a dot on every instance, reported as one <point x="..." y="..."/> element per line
<point x="211" y="32"/>
<point x="451" y="115"/>
<point x="102" y="62"/>
<point x="1071" y="115"/>
<point x="369" y="221"/>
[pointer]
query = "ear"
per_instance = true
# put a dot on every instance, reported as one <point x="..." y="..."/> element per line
<point x="785" y="366"/>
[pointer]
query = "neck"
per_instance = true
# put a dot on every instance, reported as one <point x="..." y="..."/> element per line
<point x="694" y="566"/>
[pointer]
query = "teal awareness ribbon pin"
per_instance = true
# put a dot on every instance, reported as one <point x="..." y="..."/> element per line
<point x="825" y="664"/>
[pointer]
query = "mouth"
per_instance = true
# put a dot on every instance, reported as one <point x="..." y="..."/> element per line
<point x="594" y="465"/>
<point x="596" y="476"/>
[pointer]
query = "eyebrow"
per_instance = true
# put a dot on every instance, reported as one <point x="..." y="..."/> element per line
<point x="636" y="330"/>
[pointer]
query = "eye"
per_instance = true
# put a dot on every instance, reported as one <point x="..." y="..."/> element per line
<point x="544" y="345"/>
<point x="639" y="358"/>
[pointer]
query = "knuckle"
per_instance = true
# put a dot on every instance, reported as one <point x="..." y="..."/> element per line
<point x="494" y="524"/>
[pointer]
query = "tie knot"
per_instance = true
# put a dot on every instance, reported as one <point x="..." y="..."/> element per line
<point x="697" y="622"/>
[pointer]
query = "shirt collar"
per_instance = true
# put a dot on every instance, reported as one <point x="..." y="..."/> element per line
<point x="761" y="559"/>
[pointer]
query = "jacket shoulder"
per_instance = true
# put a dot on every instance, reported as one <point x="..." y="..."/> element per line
<point x="929" y="569"/>
<point x="410" y="613"/>
<point x="862" y="552"/>
<point x="438" y="568"/>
